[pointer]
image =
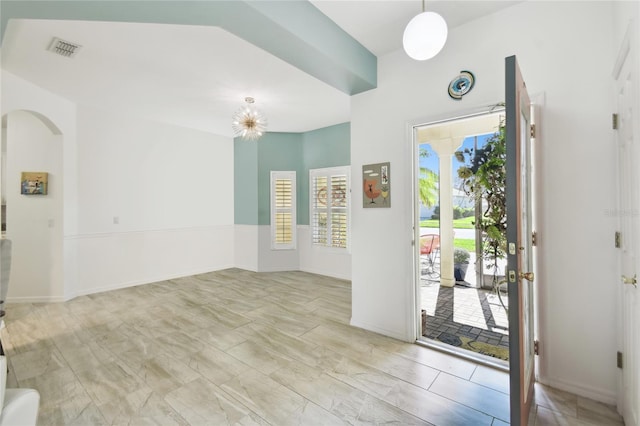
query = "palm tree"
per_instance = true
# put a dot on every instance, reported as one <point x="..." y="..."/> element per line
<point x="428" y="187"/>
<point x="427" y="184"/>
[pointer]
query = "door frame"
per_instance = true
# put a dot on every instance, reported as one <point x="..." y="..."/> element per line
<point x="412" y="128"/>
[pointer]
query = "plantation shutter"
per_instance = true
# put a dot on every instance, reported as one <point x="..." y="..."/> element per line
<point x="283" y="210"/>
<point x="329" y="189"/>
<point x="339" y="211"/>
<point x="319" y="221"/>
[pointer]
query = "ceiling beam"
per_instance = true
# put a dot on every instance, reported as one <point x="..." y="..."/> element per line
<point x="294" y="31"/>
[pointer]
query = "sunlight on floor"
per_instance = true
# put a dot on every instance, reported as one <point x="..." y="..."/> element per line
<point x="429" y="296"/>
<point x="499" y="313"/>
<point x="467" y="309"/>
<point x="473" y="307"/>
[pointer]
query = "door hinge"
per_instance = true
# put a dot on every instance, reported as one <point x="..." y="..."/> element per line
<point x="536" y="347"/>
<point x="614" y="121"/>
<point x="533" y="130"/>
<point x="619" y="359"/>
<point x="534" y="238"/>
<point x="618" y="239"/>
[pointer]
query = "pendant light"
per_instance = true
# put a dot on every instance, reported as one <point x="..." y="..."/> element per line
<point x="249" y="122"/>
<point x="425" y="35"/>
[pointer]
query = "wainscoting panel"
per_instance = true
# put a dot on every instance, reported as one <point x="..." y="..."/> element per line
<point x="320" y="260"/>
<point x="246" y="247"/>
<point x="117" y="260"/>
<point x="274" y="260"/>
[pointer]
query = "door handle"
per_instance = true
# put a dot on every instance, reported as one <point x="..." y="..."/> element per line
<point x="633" y="281"/>
<point x="527" y="276"/>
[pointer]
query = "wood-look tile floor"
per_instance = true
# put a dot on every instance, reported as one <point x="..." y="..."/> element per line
<point x="237" y="347"/>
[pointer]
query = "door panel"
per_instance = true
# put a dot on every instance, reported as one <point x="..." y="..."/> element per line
<point x="519" y="243"/>
<point x="628" y="207"/>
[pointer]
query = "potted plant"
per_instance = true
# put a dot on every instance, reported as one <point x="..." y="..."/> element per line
<point x="460" y="263"/>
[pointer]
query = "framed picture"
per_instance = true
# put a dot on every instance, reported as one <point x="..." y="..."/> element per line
<point x="34" y="183"/>
<point x="376" y="180"/>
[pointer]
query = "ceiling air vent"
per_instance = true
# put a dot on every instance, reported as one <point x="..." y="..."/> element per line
<point x="63" y="48"/>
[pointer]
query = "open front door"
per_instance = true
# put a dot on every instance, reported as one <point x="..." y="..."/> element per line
<point x="519" y="243"/>
<point x="627" y="94"/>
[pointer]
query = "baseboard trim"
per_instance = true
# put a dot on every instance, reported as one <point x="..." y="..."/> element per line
<point x="278" y="269"/>
<point x="384" y="332"/>
<point x="326" y="273"/>
<point x="134" y="283"/>
<point x="36" y="299"/>
<point x="581" y="390"/>
<point x="251" y="268"/>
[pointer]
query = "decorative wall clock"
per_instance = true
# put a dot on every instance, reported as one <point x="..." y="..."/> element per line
<point x="461" y="85"/>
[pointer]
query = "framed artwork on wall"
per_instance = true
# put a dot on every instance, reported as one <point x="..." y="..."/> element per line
<point x="34" y="183"/>
<point x="376" y="179"/>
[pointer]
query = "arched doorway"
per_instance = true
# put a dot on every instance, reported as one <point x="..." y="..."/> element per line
<point x="31" y="142"/>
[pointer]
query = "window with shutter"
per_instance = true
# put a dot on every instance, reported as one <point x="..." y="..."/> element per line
<point x="283" y="210"/>
<point x="329" y="207"/>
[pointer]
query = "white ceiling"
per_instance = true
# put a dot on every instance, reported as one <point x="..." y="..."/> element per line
<point x="198" y="76"/>
<point x="379" y="24"/>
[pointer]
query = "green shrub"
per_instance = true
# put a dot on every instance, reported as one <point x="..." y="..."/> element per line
<point x="460" y="256"/>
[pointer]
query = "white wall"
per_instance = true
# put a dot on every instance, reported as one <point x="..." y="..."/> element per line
<point x="59" y="116"/>
<point x="34" y="222"/>
<point x="246" y="252"/>
<point x="322" y="260"/>
<point x="167" y="186"/>
<point x="150" y="175"/>
<point x="570" y="63"/>
<point x="120" y="259"/>
<point x="19" y="94"/>
<point x="253" y="252"/>
<point x="167" y="189"/>
<point x="270" y="260"/>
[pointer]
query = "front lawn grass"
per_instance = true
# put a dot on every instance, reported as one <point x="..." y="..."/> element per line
<point x="464" y="223"/>
<point x="468" y="244"/>
<point x="464" y="243"/>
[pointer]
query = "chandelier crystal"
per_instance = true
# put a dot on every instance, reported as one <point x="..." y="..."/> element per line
<point x="249" y="122"/>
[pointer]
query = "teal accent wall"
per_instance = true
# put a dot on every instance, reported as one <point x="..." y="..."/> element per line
<point x="276" y="151"/>
<point x="254" y="161"/>
<point x="245" y="182"/>
<point x="326" y="147"/>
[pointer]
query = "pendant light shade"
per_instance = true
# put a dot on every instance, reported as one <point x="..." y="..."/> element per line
<point x="425" y="36"/>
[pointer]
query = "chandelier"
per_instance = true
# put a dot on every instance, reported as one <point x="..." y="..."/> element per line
<point x="425" y="35"/>
<point x="249" y="122"/>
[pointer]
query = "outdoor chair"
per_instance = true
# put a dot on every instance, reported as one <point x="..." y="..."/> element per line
<point x="429" y="254"/>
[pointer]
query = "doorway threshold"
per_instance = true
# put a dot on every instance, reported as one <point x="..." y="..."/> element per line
<point x="476" y="357"/>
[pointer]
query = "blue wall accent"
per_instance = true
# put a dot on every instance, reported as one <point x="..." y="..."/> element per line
<point x="277" y="152"/>
<point x="326" y="147"/>
<point x="245" y="182"/>
<point x="254" y="161"/>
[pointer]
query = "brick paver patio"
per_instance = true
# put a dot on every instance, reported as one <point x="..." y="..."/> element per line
<point x="465" y="311"/>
